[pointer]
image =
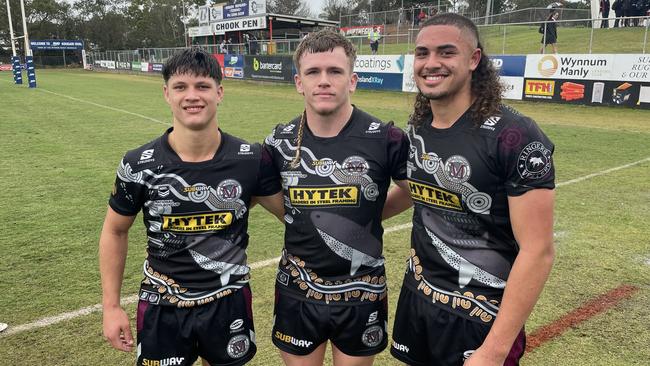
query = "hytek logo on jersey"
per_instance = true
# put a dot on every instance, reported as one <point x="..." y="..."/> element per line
<point x="374" y="127"/>
<point x="435" y="196"/>
<point x="291" y="340"/>
<point x="197" y="223"/>
<point x="146" y="156"/>
<point x="164" y="362"/>
<point x="324" y="196"/>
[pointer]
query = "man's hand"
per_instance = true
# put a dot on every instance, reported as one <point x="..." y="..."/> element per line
<point x="482" y="357"/>
<point x="117" y="330"/>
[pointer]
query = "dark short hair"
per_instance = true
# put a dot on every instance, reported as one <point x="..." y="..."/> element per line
<point x="324" y="40"/>
<point x="193" y="61"/>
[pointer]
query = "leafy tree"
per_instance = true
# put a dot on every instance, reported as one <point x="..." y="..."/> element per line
<point x="289" y="7"/>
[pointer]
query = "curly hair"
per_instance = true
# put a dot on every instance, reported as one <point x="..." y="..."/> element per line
<point x="485" y="84"/>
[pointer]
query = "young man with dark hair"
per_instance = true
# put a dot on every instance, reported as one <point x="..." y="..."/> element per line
<point x="336" y="163"/>
<point x="481" y="177"/>
<point x="194" y="186"/>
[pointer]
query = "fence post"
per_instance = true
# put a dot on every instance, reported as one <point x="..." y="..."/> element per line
<point x="645" y="35"/>
<point x="591" y="36"/>
<point x="503" y="50"/>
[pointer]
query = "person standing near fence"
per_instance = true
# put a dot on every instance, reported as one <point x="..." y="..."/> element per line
<point x="604" y="13"/>
<point x="617" y="6"/>
<point x="481" y="177"/>
<point x="549" y="32"/>
<point x="374" y="36"/>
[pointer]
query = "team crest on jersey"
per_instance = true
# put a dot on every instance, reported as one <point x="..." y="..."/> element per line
<point x="229" y="190"/>
<point x="355" y="165"/>
<point x="457" y="169"/>
<point x="372" y="336"/>
<point x="534" y="161"/>
<point x="238" y="346"/>
<point x="163" y="191"/>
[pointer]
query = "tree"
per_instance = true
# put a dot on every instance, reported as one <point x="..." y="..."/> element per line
<point x="289" y="7"/>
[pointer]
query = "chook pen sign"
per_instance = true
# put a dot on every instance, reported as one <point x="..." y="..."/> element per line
<point x="56" y="44"/>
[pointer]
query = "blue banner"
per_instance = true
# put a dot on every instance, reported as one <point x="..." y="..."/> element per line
<point x="235" y="10"/>
<point x="31" y="71"/>
<point x="56" y="44"/>
<point x="233" y="66"/>
<point x="380" y="81"/>
<point x="18" y="73"/>
<point x="509" y="65"/>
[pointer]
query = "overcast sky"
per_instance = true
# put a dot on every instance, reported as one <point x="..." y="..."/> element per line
<point x="316" y="6"/>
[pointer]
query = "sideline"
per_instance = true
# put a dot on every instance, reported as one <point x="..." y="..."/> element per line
<point x="47" y="321"/>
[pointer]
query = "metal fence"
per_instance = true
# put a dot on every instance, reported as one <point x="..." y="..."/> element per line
<point x="500" y="38"/>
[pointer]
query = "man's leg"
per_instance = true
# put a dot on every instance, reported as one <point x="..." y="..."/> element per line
<point x="313" y="359"/>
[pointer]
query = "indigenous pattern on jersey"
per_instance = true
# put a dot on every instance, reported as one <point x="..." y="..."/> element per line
<point x="196" y="215"/>
<point x="333" y="202"/>
<point x="462" y="244"/>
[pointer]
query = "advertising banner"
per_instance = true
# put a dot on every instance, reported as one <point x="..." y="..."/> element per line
<point x="6" y="67"/>
<point x="276" y="68"/>
<point x="360" y="30"/>
<point x="238" y="25"/>
<point x="234" y="66"/>
<point x="156" y="67"/>
<point x="632" y="67"/>
<point x="598" y="92"/>
<point x="144" y="67"/>
<point x="408" y="83"/>
<point x="513" y="87"/>
<point x="235" y="9"/>
<point x="56" y="44"/>
<point x="509" y="65"/>
<point x="123" y="65"/>
<point x="216" y="13"/>
<point x="379" y="81"/>
<point x="136" y="66"/>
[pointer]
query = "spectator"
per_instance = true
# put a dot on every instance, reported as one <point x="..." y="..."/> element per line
<point x="604" y="12"/>
<point x="421" y="16"/>
<point x="549" y="32"/>
<point x="374" y="36"/>
<point x="617" y="6"/>
<point x="222" y="46"/>
<point x="627" y="12"/>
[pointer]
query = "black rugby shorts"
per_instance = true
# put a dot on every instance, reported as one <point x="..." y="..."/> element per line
<point x="425" y="334"/>
<point x="357" y="330"/>
<point x="221" y="332"/>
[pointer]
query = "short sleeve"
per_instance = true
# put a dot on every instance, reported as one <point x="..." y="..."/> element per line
<point x="269" y="180"/>
<point x="128" y="192"/>
<point x="526" y="156"/>
<point x="398" y="148"/>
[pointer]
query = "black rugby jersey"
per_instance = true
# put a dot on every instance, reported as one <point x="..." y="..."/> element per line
<point x="196" y="215"/>
<point x="333" y="202"/>
<point x="462" y="244"/>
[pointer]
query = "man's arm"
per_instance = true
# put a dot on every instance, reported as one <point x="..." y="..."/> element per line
<point x="113" y="244"/>
<point x="273" y="204"/>
<point x="398" y="200"/>
<point x="531" y="215"/>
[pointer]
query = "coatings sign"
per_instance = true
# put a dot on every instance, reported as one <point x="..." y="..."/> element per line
<point x="380" y="72"/>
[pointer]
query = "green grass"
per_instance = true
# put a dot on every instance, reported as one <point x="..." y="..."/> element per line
<point x="524" y="39"/>
<point x="58" y="166"/>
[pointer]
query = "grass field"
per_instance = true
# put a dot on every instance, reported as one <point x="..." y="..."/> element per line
<point x="524" y="39"/>
<point x="62" y="143"/>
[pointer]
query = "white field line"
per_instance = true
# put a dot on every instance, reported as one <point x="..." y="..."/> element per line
<point x="47" y="321"/>
<point x="104" y="106"/>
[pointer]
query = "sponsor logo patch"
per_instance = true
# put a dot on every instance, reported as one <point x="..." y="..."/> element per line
<point x="163" y="362"/>
<point x="324" y="196"/>
<point x="435" y="196"/>
<point x="150" y="297"/>
<point x="146" y="156"/>
<point x="400" y="347"/>
<point x="291" y="340"/>
<point x="200" y="222"/>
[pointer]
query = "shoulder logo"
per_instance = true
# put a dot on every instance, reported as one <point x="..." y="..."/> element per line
<point x="490" y="123"/>
<point x="244" y="149"/>
<point x="288" y="129"/>
<point x="534" y="161"/>
<point x="237" y="324"/>
<point x="374" y="127"/>
<point x="146" y="156"/>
